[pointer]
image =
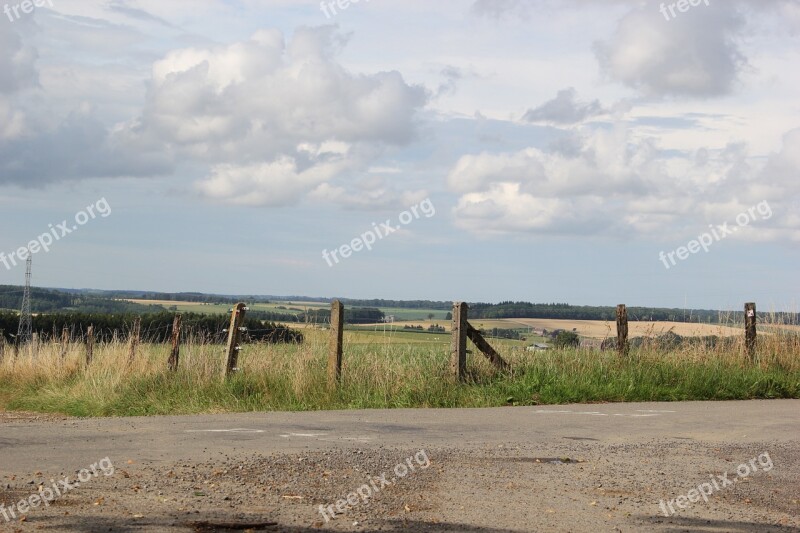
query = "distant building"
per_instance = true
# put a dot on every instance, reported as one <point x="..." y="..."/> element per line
<point x="538" y="347"/>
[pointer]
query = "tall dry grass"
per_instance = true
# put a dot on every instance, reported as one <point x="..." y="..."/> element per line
<point x="384" y="374"/>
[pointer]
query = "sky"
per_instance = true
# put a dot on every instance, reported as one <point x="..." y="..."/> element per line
<point x="589" y="152"/>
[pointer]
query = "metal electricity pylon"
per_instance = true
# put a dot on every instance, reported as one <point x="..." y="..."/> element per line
<point x="25" y="331"/>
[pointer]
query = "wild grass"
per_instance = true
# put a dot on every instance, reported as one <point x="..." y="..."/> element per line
<point x="383" y="375"/>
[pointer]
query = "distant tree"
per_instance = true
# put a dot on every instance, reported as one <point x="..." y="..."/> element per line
<point x="566" y="339"/>
<point x="430" y="316"/>
<point x="448" y="316"/>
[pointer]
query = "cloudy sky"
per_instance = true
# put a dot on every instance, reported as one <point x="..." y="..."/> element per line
<point x="563" y="145"/>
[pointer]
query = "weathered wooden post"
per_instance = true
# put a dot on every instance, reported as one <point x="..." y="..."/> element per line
<point x="458" y="361"/>
<point x="2" y="345"/>
<point x="490" y="353"/>
<point x="234" y="334"/>
<point x="134" y="340"/>
<point x="176" y="344"/>
<point x="89" y="345"/>
<point x="622" y="330"/>
<point x="64" y="343"/>
<point x="750" y="330"/>
<point x="335" y="348"/>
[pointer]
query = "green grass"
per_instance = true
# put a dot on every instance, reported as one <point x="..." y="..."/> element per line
<point x="401" y="370"/>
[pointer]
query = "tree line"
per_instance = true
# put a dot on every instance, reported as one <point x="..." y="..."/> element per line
<point x="155" y="328"/>
<point x="572" y="312"/>
<point x="50" y="300"/>
<point x="354" y="315"/>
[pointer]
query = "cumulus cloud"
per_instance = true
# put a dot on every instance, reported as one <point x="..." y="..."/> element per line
<point x="564" y="109"/>
<point x="262" y="97"/>
<point x="17" y="62"/>
<point x="249" y="106"/>
<point x="617" y="183"/>
<point x="261" y="114"/>
<point x="500" y="8"/>
<point x="695" y="54"/>
<point x="276" y="183"/>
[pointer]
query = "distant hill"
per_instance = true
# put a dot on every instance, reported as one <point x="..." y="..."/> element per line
<point x="98" y="301"/>
<point x="58" y="301"/>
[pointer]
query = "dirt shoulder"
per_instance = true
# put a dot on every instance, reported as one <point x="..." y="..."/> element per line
<point x="570" y="486"/>
<point x="24" y="416"/>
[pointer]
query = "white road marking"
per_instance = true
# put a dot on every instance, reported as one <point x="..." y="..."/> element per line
<point x="311" y="435"/>
<point x="643" y="413"/>
<point x="357" y="439"/>
<point x="592" y="413"/>
<point x="235" y="430"/>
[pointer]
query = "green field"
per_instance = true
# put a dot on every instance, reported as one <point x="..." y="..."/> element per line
<point x="296" y="308"/>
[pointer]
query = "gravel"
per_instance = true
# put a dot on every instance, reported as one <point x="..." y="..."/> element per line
<point x="568" y="486"/>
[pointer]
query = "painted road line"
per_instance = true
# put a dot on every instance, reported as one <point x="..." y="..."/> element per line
<point x="234" y="430"/>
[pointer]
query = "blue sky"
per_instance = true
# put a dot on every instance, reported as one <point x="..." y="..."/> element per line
<point x="564" y="145"/>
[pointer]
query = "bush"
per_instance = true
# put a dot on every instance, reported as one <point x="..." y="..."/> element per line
<point x="566" y="339"/>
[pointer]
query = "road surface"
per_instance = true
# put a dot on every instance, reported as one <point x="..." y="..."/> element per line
<point x="609" y="467"/>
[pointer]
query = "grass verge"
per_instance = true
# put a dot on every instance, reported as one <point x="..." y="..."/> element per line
<point x="382" y="375"/>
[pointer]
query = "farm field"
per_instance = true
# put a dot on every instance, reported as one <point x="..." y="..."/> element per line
<point x="599" y="329"/>
<point x="287" y="307"/>
<point x="592" y="329"/>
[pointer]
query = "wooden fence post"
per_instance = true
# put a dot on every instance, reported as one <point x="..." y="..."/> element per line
<point x="64" y="342"/>
<point x="622" y="330"/>
<point x="89" y="345"/>
<point x="458" y="348"/>
<point x="335" y="348"/>
<point x="234" y="334"/>
<point x="2" y="345"/>
<point x="490" y="353"/>
<point x="134" y="340"/>
<point x="176" y="344"/>
<point x="750" y="330"/>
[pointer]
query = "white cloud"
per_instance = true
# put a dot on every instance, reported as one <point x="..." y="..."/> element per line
<point x="694" y="54"/>
<point x="564" y="109"/>
<point x="260" y="98"/>
<point x="618" y="184"/>
<point x="277" y="183"/>
<point x="17" y="62"/>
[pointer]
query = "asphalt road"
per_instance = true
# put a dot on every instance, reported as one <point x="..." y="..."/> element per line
<point x="479" y="455"/>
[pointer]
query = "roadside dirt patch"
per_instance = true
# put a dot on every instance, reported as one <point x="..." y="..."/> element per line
<point x="24" y="416"/>
<point x="562" y="486"/>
